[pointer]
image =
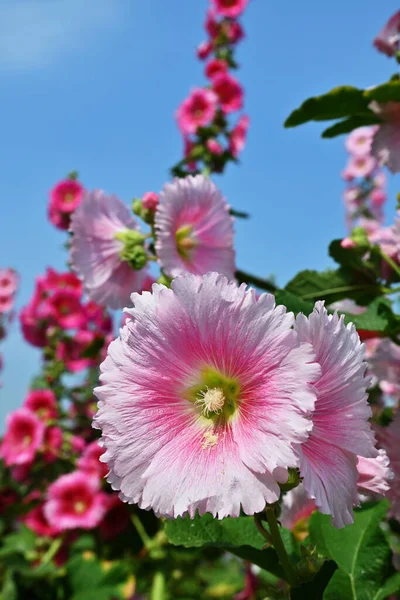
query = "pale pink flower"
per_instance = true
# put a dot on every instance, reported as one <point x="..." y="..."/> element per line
<point x="386" y="144"/>
<point x="384" y="362"/>
<point x="230" y="8"/>
<point x="74" y="501"/>
<point x="229" y="92"/>
<point x="387" y="40"/>
<point x="341" y="431"/>
<point x="194" y="228"/>
<point x="361" y="166"/>
<point x="374" y="474"/>
<point x="297" y="508"/>
<point x="95" y="251"/>
<point x="214" y="147"/>
<point x="198" y="110"/>
<point x="8" y="282"/>
<point x="238" y="135"/>
<point x="213" y="384"/>
<point x="150" y="200"/>
<point x="216" y="67"/>
<point x="389" y="439"/>
<point x="359" y="142"/>
<point x="43" y="403"/>
<point x="90" y="463"/>
<point x="378" y="197"/>
<point x="6" y="303"/>
<point x="36" y="520"/>
<point x="23" y="437"/>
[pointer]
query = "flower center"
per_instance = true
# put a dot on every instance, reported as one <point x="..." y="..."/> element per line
<point x="216" y="395"/>
<point x="211" y="401"/>
<point x="80" y="507"/>
<point x="26" y="440"/>
<point x="68" y="197"/>
<point x="184" y="241"/>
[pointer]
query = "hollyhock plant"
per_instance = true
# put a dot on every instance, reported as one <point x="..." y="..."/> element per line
<point x="230" y="8"/>
<point x="341" y="431"/>
<point x="74" y="501"/>
<point x="194" y="228"/>
<point x="205" y="374"/>
<point x="229" y="92"/>
<point x="72" y="350"/>
<point x="198" y="110"/>
<point x="96" y="250"/>
<point x="387" y="40"/>
<point x="65" y="197"/>
<point x="43" y="403"/>
<point x="374" y="474"/>
<point x="23" y="437"/>
<point x="90" y="462"/>
<point x="67" y="310"/>
<point x="52" y="442"/>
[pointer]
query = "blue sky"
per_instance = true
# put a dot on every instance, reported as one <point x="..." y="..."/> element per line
<point x="93" y="86"/>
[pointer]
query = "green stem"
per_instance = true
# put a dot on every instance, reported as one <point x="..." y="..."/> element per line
<point x="158" y="586"/>
<point x="52" y="551"/>
<point x="146" y="540"/>
<point x="262" y="284"/>
<point x="262" y="529"/>
<point x="279" y="546"/>
<point x="391" y="263"/>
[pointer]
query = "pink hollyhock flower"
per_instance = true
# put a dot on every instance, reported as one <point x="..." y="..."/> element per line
<point x="297" y="508"/>
<point x="238" y="135"/>
<point x="188" y="147"/>
<point x="229" y="92"/>
<point x="386" y="143"/>
<point x="36" y="520"/>
<point x="116" y="520"/>
<point x="378" y="197"/>
<point x="374" y="474"/>
<point x="68" y="310"/>
<point x="216" y="67"/>
<point x="359" y="142"/>
<point x="389" y="439"/>
<point x="90" y="461"/>
<point x="346" y="175"/>
<point x="74" y="501"/>
<point x="71" y="350"/>
<point x="78" y="444"/>
<point x="8" y="282"/>
<point x="53" y="281"/>
<point x="43" y="403"/>
<point x="23" y="437"/>
<point x="387" y="40"/>
<point x="341" y="431"/>
<point x="33" y="329"/>
<point x="225" y="383"/>
<point x="6" y="304"/>
<point x="361" y="166"/>
<point x="53" y="439"/>
<point x="95" y="250"/>
<point x="233" y="31"/>
<point x="194" y="228"/>
<point x="203" y="50"/>
<point x="214" y="147"/>
<point x="230" y="8"/>
<point x="384" y="362"/>
<point x="198" y="110"/>
<point x="150" y="200"/>
<point x="98" y="318"/>
<point x="211" y="25"/>
<point x="65" y="197"/>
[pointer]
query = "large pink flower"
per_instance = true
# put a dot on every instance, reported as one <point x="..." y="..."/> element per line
<point x="194" y="228"/>
<point x="43" y="403"/>
<point x="341" y="430"/>
<point x="230" y="8"/>
<point x="387" y="40"/>
<point x="73" y="501"/>
<point x="229" y="92"/>
<point x="198" y="110"/>
<point x="213" y="384"/>
<point x="95" y="250"/>
<point x="23" y="437"/>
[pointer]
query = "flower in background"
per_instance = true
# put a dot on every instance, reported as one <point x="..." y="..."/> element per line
<point x="214" y="147"/>
<point x="389" y="440"/>
<point x="359" y="141"/>
<point x="361" y="166"/>
<point x="297" y="508"/>
<point x="194" y="228"/>
<point x="374" y="474"/>
<point x="116" y="519"/>
<point x="90" y="462"/>
<point x="74" y="501"/>
<point x="67" y="309"/>
<point x="23" y="437"/>
<point x="150" y="200"/>
<point x="65" y="197"/>
<point x="96" y="249"/>
<point x="229" y="92"/>
<point x="230" y="8"/>
<point x="43" y="403"/>
<point x="216" y="67"/>
<point x="222" y="376"/>
<point x="386" y="143"/>
<point x="387" y="40"/>
<point x="238" y="135"/>
<point x="198" y="110"/>
<point x="203" y="50"/>
<point x="8" y="282"/>
<point x="341" y="431"/>
<point x="75" y="351"/>
<point x="52" y="442"/>
<point x="36" y="520"/>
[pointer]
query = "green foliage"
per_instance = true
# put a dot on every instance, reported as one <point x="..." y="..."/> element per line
<point x="348" y="124"/>
<point x="89" y="578"/>
<point x="361" y="552"/>
<point x="293" y="302"/>
<point x="387" y="92"/>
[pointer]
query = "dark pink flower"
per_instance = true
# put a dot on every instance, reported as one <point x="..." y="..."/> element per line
<point x="387" y="40"/>
<point x="216" y="67"/>
<point x="74" y="501"/>
<point x="71" y="350"/>
<point x="65" y="197"/>
<point x="90" y="461"/>
<point x="116" y="519"/>
<point x="214" y="147"/>
<point x="229" y="92"/>
<point x="230" y="8"/>
<point x="23" y="437"/>
<point x="33" y="329"/>
<point x="238" y="135"/>
<point x="36" y="520"/>
<point x="68" y="310"/>
<point x="53" y="439"/>
<point x="150" y="200"/>
<point x="233" y="31"/>
<point x="204" y="49"/>
<point x="198" y="110"/>
<point x="43" y="403"/>
<point x="6" y="303"/>
<point x="211" y="25"/>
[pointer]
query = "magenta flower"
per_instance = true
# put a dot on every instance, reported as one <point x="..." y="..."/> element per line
<point x="214" y="385"/>
<point x="198" y="110"/>
<point x="359" y="142"/>
<point x="341" y="431"/>
<point x="8" y="282"/>
<point x="6" y="303"/>
<point x="374" y="474"/>
<point x="194" y="228"/>
<point x="72" y="350"/>
<point x="65" y="197"/>
<point x="387" y="40"/>
<point x="204" y="49"/>
<point x="230" y="8"/>
<point x="95" y="250"/>
<point x="53" y="439"/>
<point x="150" y="200"/>
<point x="74" y="501"/>
<point x="43" y="403"/>
<point x="36" y="520"/>
<point x="90" y="462"/>
<point x="216" y="67"/>
<point x="229" y="92"/>
<point x="238" y="135"/>
<point x="214" y="147"/>
<point x="23" y="437"/>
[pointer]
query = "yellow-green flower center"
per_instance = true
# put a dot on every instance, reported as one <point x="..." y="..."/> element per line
<point x="185" y="242"/>
<point x="216" y="396"/>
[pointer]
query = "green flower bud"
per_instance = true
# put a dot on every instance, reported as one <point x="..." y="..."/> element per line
<point x="292" y="482"/>
<point x="138" y="258"/>
<point x="137" y="207"/>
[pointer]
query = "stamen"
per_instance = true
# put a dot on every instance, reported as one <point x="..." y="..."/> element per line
<point x="211" y="400"/>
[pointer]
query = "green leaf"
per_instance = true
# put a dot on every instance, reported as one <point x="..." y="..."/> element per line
<point x="376" y="318"/>
<point x="387" y="92"/>
<point x="360" y="550"/>
<point x="84" y="573"/>
<point x="349" y="124"/>
<point x="340" y="102"/>
<point x="293" y="302"/>
<point x="391" y="586"/>
<point x="20" y="542"/>
<point x="9" y="589"/>
<point x="313" y="590"/>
